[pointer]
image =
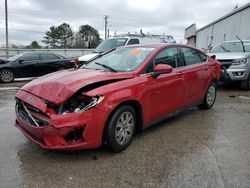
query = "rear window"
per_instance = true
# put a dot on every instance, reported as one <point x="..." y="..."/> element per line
<point x="133" y="41"/>
<point x="191" y="56"/>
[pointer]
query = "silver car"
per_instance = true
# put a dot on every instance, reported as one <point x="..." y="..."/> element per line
<point x="234" y="57"/>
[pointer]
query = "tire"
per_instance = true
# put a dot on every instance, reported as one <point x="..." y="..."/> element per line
<point x="210" y="96"/>
<point x="245" y="84"/>
<point x="6" y="75"/>
<point x="120" y="128"/>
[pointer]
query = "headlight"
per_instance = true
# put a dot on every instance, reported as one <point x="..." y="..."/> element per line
<point x="239" y="62"/>
<point x="79" y="103"/>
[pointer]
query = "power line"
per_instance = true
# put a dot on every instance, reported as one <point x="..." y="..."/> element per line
<point x="22" y="30"/>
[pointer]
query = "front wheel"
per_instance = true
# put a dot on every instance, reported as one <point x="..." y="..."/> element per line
<point x="210" y="96"/>
<point x="121" y="128"/>
<point x="6" y="75"/>
<point x="245" y="84"/>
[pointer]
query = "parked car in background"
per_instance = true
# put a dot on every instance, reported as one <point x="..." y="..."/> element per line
<point x="235" y="59"/>
<point x="107" y="100"/>
<point x="32" y="64"/>
<point x="125" y="40"/>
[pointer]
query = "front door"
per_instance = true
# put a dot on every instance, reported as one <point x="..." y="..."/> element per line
<point x="166" y="93"/>
<point x="26" y="65"/>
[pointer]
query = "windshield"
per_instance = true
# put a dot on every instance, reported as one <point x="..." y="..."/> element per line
<point x="121" y="60"/>
<point x="14" y="58"/>
<point x="110" y="44"/>
<point x="231" y="47"/>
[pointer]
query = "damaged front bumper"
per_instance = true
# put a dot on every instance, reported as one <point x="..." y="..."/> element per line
<point x="73" y="131"/>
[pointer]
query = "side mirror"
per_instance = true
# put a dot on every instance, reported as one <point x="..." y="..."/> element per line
<point x="213" y="56"/>
<point x="162" y="69"/>
<point x="20" y="61"/>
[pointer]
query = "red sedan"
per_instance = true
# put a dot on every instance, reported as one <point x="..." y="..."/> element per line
<point x="106" y="101"/>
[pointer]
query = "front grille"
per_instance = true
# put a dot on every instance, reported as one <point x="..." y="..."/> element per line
<point x="30" y="114"/>
<point x="225" y="63"/>
<point x="225" y="66"/>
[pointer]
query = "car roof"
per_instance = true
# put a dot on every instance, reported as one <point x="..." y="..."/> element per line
<point x="159" y="45"/>
<point x="149" y="45"/>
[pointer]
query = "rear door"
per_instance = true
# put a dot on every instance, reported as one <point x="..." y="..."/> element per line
<point x="166" y="92"/>
<point x="195" y="73"/>
<point x="49" y="63"/>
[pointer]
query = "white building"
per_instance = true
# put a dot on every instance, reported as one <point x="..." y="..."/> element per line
<point x="225" y="28"/>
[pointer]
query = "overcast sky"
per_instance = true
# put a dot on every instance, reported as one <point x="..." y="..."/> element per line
<point x="30" y="19"/>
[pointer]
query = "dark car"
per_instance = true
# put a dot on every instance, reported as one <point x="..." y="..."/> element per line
<point x="125" y="90"/>
<point x="32" y="64"/>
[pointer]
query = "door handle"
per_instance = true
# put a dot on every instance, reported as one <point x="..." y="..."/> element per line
<point x="205" y="68"/>
<point x="179" y="74"/>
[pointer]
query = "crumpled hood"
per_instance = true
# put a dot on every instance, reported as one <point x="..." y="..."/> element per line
<point x="59" y="86"/>
<point x="231" y="55"/>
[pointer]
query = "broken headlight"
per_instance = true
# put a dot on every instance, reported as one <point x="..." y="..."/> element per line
<point x="79" y="103"/>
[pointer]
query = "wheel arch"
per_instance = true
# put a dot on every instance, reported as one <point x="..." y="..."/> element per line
<point x="216" y="81"/>
<point x="138" y="111"/>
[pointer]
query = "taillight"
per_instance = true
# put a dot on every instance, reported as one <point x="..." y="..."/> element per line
<point x="74" y="61"/>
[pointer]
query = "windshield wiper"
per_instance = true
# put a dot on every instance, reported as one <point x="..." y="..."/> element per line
<point x="98" y="55"/>
<point x="242" y="43"/>
<point x="225" y="49"/>
<point x="106" y="66"/>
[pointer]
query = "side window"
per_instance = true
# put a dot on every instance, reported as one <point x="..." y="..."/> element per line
<point x="46" y="56"/>
<point x="191" y="56"/>
<point x="169" y="56"/>
<point x="30" y="57"/>
<point x="203" y="57"/>
<point x="133" y="41"/>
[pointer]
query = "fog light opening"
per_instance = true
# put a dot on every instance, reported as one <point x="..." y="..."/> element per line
<point x="75" y="136"/>
<point x="238" y="73"/>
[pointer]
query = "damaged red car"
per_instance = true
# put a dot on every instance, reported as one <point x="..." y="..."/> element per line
<point x="106" y="101"/>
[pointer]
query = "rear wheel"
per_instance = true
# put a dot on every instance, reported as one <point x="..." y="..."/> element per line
<point x="121" y="128"/>
<point x="6" y="75"/>
<point x="210" y="96"/>
<point x="245" y="84"/>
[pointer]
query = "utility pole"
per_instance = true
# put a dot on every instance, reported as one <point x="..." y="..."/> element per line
<point x="106" y="25"/>
<point x="6" y="31"/>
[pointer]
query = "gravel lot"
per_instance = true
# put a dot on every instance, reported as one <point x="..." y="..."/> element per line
<point x="197" y="148"/>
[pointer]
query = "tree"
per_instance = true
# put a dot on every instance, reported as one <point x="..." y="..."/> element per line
<point x="65" y="35"/>
<point x="51" y="37"/>
<point x="89" y="36"/>
<point x="35" y="45"/>
<point x="59" y="37"/>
